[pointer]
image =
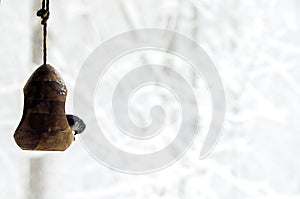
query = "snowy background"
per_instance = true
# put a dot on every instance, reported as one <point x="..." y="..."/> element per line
<point x="254" y="44"/>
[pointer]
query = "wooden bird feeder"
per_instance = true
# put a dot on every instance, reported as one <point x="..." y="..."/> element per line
<point x="44" y="125"/>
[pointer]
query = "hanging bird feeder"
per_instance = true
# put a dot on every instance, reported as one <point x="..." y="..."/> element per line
<point x="44" y="125"/>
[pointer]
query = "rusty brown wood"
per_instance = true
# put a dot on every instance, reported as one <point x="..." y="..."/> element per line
<point x="44" y="125"/>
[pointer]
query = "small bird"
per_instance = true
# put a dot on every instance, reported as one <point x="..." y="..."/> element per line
<point x="76" y="124"/>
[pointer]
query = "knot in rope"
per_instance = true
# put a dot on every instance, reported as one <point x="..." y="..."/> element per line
<point x="44" y="14"/>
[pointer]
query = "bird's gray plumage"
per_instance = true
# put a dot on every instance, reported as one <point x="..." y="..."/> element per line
<point x="76" y="124"/>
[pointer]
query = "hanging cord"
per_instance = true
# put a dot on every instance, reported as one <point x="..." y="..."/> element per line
<point x="44" y="14"/>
